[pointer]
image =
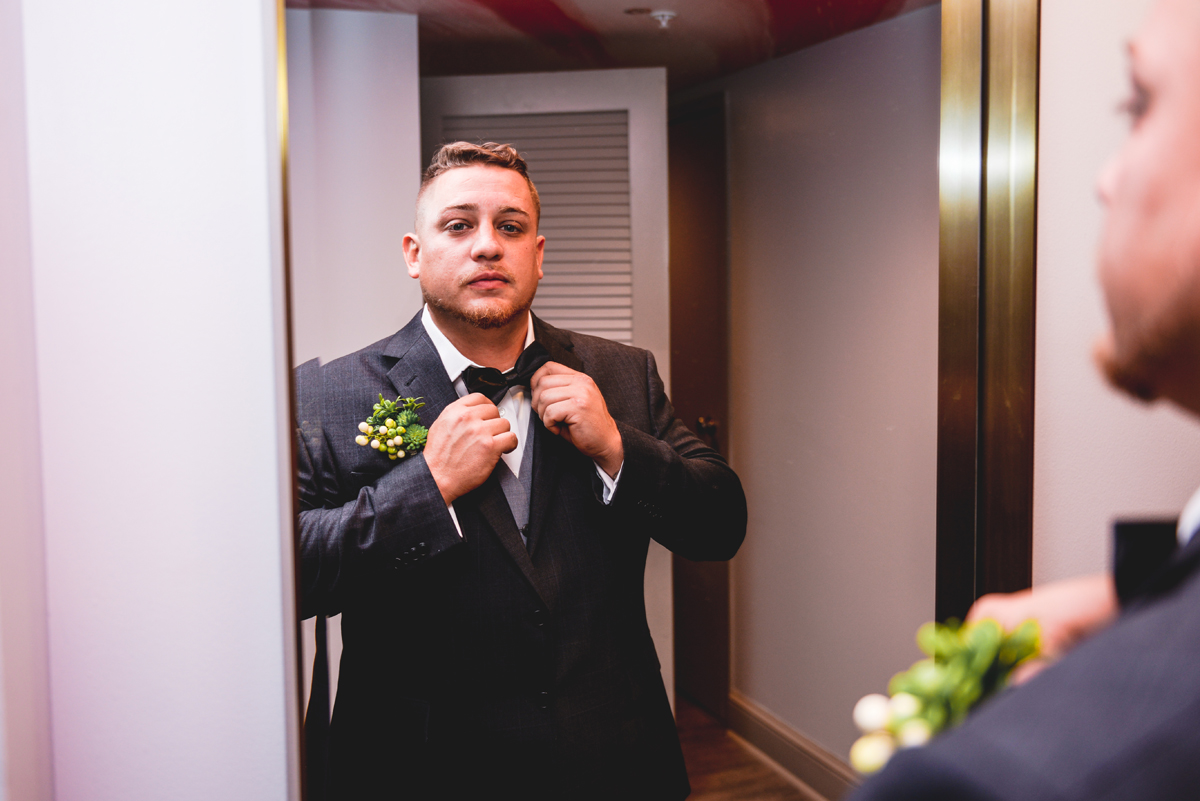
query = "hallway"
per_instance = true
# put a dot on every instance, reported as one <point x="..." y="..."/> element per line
<point x="722" y="767"/>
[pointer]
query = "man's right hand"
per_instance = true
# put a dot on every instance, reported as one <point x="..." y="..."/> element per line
<point x="1068" y="611"/>
<point x="464" y="444"/>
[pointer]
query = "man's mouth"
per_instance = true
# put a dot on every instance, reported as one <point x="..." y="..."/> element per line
<point x="488" y="280"/>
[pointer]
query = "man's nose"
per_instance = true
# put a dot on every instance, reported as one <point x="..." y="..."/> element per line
<point x="1106" y="181"/>
<point x="486" y="245"/>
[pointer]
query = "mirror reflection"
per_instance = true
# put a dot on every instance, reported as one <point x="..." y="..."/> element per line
<point x="735" y="207"/>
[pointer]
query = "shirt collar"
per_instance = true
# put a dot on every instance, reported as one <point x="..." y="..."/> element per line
<point x="452" y="360"/>
<point x="1189" y="521"/>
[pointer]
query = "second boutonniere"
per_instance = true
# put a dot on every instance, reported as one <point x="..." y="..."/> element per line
<point x="394" y="429"/>
<point x="966" y="665"/>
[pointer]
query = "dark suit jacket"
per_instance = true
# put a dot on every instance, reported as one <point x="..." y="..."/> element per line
<point x="1118" y="719"/>
<point x="473" y="666"/>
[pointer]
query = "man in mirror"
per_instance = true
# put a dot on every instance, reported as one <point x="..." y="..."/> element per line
<point x="491" y="584"/>
<point x="1115" y="714"/>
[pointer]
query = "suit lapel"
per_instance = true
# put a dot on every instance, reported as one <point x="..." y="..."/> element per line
<point x="419" y="372"/>
<point x="547" y="447"/>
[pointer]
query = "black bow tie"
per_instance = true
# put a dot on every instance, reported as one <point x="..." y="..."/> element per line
<point x="493" y="383"/>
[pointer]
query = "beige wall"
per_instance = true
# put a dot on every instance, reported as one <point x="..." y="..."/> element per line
<point x="834" y="254"/>
<point x="1097" y="456"/>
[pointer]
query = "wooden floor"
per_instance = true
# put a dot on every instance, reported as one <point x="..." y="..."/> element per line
<point x="720" y="768"/>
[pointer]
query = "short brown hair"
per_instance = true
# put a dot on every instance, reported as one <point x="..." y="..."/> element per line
<point x="489" y="154"/>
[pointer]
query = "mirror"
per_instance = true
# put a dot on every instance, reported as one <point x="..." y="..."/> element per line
<point x="832" y="301"/>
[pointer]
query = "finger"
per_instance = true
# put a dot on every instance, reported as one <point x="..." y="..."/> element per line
<point x="475" y="399"/>
<point x="562" y="386"/>
<point x="1027" y="670"/>
<point x="554" y="368"/>
<point x="496" y="426"/>
<point x="550" y="370"/>
<point x="558" y="414"/>
<point x="563" y="394"/>
<point x="506" y="442"/>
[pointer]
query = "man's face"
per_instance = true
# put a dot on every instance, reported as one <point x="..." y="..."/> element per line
<point x="476" y="252"/>
<point x="1150" y="252"/>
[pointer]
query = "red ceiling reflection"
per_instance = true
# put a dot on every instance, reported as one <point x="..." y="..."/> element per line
<point x="707" y="38"/>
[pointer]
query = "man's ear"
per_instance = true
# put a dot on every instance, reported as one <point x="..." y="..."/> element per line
<point x="541" y="251"/>
<point x="412" y="255"/>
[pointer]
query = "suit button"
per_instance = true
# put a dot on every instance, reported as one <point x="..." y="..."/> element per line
<point x="539" y="619"/>
<point x="543" y="700"/>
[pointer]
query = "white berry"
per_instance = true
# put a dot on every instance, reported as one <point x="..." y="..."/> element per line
<point x="913" y="733"/>
<point x="904" y="705"/>
<point x="360" y="439"/>
<point x="374" y="443"/>
<point x="363" y="427"/>
<point x="871" y="752"/>
<point x="871" y="713"/>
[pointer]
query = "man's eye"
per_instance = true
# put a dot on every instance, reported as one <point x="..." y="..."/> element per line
<point x="457" y="226"/>
<point x="510" y="228"/>
<point x="1137" y="104"/>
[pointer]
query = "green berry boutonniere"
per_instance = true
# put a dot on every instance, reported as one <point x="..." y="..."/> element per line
<point x="967" y="664"/>
<point x="394" y="428"/>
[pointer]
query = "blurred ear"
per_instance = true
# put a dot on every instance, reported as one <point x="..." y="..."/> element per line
<point x="541" y="251"/>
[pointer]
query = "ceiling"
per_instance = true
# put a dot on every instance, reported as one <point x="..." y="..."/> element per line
<point x="706" y="39"/>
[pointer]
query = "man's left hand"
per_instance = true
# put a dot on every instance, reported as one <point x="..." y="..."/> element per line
<point x="570" y="405"/>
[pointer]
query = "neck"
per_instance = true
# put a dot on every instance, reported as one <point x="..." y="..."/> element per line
<point x="488" y="347"/>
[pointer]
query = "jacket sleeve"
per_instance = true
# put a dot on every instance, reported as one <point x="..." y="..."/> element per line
<point x="391" y="524"/>
<point x="676" y="487"/>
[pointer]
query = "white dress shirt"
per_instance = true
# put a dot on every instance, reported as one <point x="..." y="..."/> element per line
<point x="1189" y="521"/>
<point x="516" y="405"/>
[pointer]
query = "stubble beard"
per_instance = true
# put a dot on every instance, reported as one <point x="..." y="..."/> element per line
<point x="492" y="316"/>
<point x="1142" y="358"/>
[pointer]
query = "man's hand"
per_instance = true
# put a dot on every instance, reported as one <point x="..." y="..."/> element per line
<point x="570" y="405"/>
<point x="464" y="444"/>
<point x="1068" y="611"/>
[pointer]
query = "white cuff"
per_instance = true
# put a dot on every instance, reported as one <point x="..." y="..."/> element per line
<point x="454" y="517"/>
<point x="610" y="484"/>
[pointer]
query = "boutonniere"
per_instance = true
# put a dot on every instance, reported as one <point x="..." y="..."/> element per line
<point x="966" y="665"/>
<point x="394" y="428"/>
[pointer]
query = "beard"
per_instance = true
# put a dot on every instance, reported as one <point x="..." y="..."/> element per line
<point x="1142" y="357"/>
<point x="491" y="316"/>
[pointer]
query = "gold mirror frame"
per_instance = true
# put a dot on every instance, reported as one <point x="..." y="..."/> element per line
<point x="988" y="207"/>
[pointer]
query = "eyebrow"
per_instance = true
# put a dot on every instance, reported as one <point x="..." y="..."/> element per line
<point x="475" y="207"/>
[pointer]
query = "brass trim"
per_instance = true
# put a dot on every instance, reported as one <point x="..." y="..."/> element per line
<point x="960" y="166"/>
<point x="282" y="123"/>
<point x="987" y="172"/>
<point x="1004" y="549"/>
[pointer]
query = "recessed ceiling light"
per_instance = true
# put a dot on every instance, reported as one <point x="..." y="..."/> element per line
<point x="664" y="17"/>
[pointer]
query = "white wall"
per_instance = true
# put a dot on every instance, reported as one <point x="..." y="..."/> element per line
<point x="25" y="757"/>
<point x="834" y="300"/>
<point x="1097" y="455"/>
<point x="154" y="224"/>
<point x="354" y="170"/>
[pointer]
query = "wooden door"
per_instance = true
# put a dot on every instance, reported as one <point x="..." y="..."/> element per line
<point x="699" y="271"/>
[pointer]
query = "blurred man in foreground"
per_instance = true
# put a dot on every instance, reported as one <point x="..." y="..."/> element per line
<point x="1117" y="714"/>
